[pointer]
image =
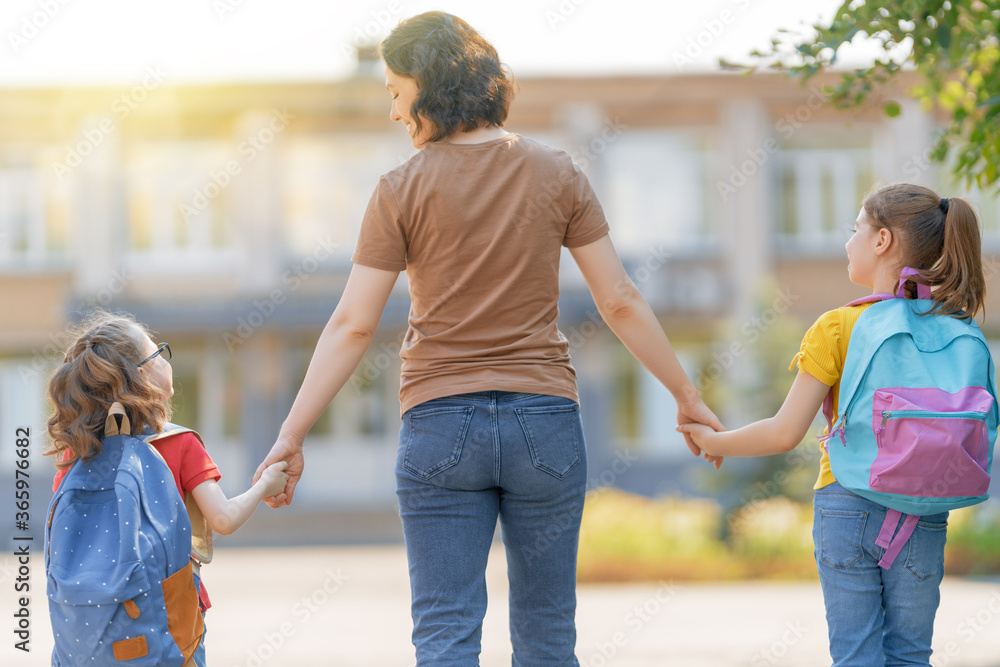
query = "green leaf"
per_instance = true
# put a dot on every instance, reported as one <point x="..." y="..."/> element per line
<point x="944" y="35"/>
<point x="892" y="109"/>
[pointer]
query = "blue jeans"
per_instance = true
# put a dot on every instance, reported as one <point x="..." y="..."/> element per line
<point x="464" y="461"/>
<point x="876" y="617"/>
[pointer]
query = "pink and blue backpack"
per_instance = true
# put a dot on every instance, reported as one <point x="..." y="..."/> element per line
<point x="918" y="422"/>
<point x="121" y="586"/>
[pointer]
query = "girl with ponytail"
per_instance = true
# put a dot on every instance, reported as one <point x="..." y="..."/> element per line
<point x="876" y="614"/>
<point x="938" y="237"/>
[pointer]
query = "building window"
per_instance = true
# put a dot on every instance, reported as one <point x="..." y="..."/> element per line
<point x="820" y="195"/>
<point x="34" y="225"/>
<point x="655" y="188"/>
<point x="176" y="210"/>
<point x="326" y="184"/>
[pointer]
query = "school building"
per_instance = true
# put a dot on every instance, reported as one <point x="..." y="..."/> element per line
<point x="224" y="217"/>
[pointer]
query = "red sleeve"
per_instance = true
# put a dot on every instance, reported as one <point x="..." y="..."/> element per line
<point x="188" y="460"/>
<point x="60" y="473"/>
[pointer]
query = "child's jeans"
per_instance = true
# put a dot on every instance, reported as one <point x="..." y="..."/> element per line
<point x="464" y="461"/>
<point x="876" y="617"/>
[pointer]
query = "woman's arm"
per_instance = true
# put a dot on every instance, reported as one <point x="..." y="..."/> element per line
<point x="775" y="435"/>
<point x="340" y="348"/>
<point x="631" y="319"/>
<point x="224" y="515"/>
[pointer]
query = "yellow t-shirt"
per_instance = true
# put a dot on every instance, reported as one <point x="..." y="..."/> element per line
<point x="824" y="348"/>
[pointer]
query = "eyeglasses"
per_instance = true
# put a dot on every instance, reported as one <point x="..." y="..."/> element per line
<point x="159" y="350"/>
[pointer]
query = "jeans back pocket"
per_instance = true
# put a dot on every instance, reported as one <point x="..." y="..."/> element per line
<point x="434" y="438"/>
<point x="553" y="436"/>
<point x="840" y="533"/>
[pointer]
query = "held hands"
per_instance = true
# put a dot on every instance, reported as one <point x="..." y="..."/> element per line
<point x="702" y="437"/>
<point x="274" y="478"/>
<point x="287" y="449"/>
<point x="695" y="421"/>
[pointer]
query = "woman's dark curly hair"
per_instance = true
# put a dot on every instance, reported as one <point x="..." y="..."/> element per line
<point x="463" y="85"/>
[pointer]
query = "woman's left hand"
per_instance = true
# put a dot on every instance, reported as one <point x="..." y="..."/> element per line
<point x="695" y="411"/>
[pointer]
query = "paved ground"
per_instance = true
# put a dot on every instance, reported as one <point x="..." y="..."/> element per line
<point x="348" y="606"/>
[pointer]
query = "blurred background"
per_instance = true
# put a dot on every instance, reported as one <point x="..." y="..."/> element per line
<point x="205" y="166"/>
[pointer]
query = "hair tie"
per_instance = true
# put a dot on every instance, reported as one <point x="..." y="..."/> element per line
<point x="944" y="205"/>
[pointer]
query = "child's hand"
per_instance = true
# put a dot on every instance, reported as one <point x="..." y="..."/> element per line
<point x="701" y="435"/>
<point x="274" y="478"/>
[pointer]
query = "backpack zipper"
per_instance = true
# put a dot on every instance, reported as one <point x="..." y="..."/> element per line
<point x="836" y="429"/>
<point x="926" y="414"/>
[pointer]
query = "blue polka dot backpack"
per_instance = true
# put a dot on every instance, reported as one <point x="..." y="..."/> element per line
<point x="118" y="559"/>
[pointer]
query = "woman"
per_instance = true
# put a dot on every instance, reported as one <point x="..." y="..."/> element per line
<point x="491" y="424"/>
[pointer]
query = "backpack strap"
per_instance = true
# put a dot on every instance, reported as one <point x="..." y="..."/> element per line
<point x="201" y="533"/>
<point x="871" y="298"/>
<point x="893" y="545"/>
<point x="923" y="291"/>
<point x="117" y="421"/>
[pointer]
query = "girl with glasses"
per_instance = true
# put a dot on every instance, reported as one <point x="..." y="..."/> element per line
<point x="112" y="359"/>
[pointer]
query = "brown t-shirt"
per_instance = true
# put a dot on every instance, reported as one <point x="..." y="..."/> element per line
<point x="478" y="230"/>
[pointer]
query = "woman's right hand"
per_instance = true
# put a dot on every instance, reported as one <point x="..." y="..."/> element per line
<point x="273" y="479"/>
<point x="287" y="448"/>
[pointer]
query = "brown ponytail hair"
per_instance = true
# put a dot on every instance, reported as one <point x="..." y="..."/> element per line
<point x="940" y="238"/>
<point x="100" y="367"/>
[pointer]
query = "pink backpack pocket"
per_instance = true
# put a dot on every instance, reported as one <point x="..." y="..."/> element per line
<point x="952" y="457"/>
